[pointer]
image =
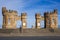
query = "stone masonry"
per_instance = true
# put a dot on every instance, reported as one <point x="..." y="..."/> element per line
<point x="38" y="18"/>
<point x="51" y="20"/>
<point x="10" y="17"/>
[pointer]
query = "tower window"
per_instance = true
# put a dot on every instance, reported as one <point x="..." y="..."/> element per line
<point x="48" y="21"/>
<point x="38" y="24"/>
<point x="24" y="24"/>
<point x="52" y="21"/>
<point x="9" y="21"/>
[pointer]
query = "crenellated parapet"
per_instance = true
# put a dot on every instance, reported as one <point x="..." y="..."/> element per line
<point x="8" y="12"/>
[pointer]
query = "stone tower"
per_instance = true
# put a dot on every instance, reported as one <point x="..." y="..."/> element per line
<point x="37" y="17"/>
<point x="46" y="20"/>
<point x="10" y="17"/>
<point x="50" y="19"/>
<point x="53" y="19"/>
<point x="23" y="19"/>
<point x="4" y="17"/>
<point x="9" y="21"/>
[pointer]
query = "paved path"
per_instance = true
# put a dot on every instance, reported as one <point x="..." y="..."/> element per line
<point x="31" y="38"/>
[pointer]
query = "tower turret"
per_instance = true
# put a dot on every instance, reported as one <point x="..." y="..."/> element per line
<point x="37" y="17"/>
<point x="23" y="19"/>
<point x="4" y="17"/>
<point x="4" y="10"/>
<point x="46" y="20"/>
<point x="55" y="11"/>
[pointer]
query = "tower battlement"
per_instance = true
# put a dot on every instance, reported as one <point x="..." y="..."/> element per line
<point x="37" y="15"/>
<point x="46" y="13"/>
<point x="12" y="11"/>
<point x="6" y="12"/>
<point x="55" y="10"/>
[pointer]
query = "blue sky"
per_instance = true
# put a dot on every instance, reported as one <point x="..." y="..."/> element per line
<point x="30" y="7"/>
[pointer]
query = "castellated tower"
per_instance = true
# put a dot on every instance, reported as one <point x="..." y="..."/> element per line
<point x="4" y="16"/>
<point x="51" y="19"/>
<point x="37" y="17"/>
<point x="9" y="21"/>
<point x="54" y="19"/>
<point x="23" y="19"/>
<point x="10" y="17"/>
<point x="46" y="20"/>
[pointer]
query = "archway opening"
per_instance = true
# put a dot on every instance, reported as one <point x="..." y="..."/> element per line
<point x="30" y="21"/>
<point x="42" y="24"/>
<point x="18" y="24"/>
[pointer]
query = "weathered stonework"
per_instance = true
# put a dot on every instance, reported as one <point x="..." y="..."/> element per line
<point x="23" y="19"/>
<point x="51" y="20"/>
<point x="38" y="18"/>
<point x="10" y="17"/>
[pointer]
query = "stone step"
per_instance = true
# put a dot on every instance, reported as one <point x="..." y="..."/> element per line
<point x="9" y="30"/>
<point x="35" y="30"/>
<point x="28" y="31"/>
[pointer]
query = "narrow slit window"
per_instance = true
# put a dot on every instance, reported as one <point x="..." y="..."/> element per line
<point x="9" y="21"/>
<point x="52" y="21"/>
